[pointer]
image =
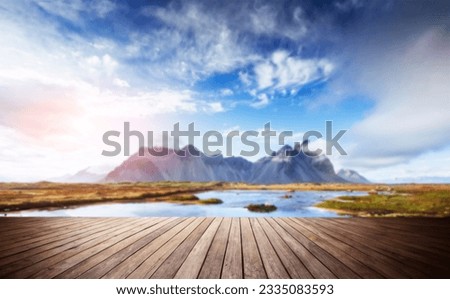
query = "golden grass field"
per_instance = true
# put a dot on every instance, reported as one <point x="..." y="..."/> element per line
<point x="431" y="200"/>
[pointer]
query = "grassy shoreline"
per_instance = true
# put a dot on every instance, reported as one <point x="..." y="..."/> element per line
<point x="383" y="200"/>
<point x="403" y="201"/>
<point x="22" y="196"/>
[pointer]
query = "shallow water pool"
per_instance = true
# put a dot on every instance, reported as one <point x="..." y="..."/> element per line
<point x="301" y="204"/>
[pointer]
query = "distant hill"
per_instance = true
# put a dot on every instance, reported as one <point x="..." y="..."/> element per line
<point x="352" y="176"/>
<point x="288" y="165"/>
<point x="82" y="176"/>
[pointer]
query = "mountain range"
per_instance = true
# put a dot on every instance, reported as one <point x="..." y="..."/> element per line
<point x="287" y="165"/>
<point x="352" y="176"/>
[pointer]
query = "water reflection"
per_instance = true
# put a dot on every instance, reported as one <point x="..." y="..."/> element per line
<point x="301" y="204"/>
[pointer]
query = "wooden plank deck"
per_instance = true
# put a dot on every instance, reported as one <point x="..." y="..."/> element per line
<point x="224" y="248"/>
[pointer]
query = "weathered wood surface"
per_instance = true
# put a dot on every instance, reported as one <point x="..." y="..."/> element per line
<point x="224" y="248"/>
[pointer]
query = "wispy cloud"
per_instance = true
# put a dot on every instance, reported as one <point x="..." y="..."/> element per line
<point x="283" y="71"/>
<point x="72" y="10"/>
<point x="261" y="102"/>
<point x="199" y="43"/>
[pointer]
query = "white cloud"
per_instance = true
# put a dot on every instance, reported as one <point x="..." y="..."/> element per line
<point x="214" y="107"/>
<point x="120" y="83"/>
<point x="93" y="61"/>
<point x="264" y="74"/>
<point x="283" y="71"/>
<point x="262" y="101"/>
<point x="263" y="19"/>
<point x="226" y="92"/>
<point x="269" y="19"/>
<point x="412" y="94"/>
<point x="134" y="103"/>
<point x="104" y="65"/>
<point x="72" y="9"/>
<point x="244" y="77"/>
<point x="200" y="43"/>
<point x="109" y="63"/>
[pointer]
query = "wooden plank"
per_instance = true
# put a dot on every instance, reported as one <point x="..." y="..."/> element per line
<point x="402" y="251"/>
<point x="58" y="240"/>
<point x="192" y="265"/>
<point x="23" y="232"/>
<point x="414" y="226"/>
<point x="314" y="265"/>
<point x="13" y="246"/>
<point x="114" y="255"/>
<point x="415" y="223"/>
<point x="253" y="266"/>
<point x="13" y="222"/>
<point x="121" y="231"/>
<point x="27" y="258"/>
<point x="173" y="262"/>
<point x="404" y="226"/>
<point x="26" y="228"/>
<point x="157" y="254"/>
<point x="370" y="247"/>
<point x="130" y="260"/>
<point x="71" y="258"/>
<point x="368" y="257"/>
<point x="334" y="249"/>
<point x="338" y="268"/>
<point x="224" y="248"/>
<point x="272" y="263"/>
<point x="411" y="245"/>
<point x="212" y="267"/>
<point x="232" y="264"/>
<point x="292" y="264"/>
<point x="433" y="240"/>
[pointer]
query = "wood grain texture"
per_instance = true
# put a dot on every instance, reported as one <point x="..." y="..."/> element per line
<point x="224" y="248"/>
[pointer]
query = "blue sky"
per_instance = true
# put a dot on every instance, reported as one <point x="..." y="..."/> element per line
<point x="71" y="70"/>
